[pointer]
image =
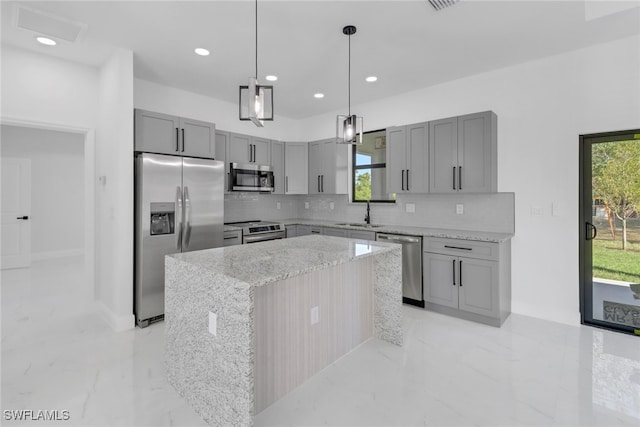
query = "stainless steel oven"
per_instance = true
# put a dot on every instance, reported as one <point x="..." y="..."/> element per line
<point x="249" y="177"/>
<point x="260" y="231"/>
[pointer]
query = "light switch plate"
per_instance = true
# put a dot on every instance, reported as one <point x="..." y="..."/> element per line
<point x="306" y="205"/>
<point x="537" y="211"/>
<point x="277" y="205"/>
<point x="410" y="207"/>
<point x="459" y="209"/>
<point x="332" y="205"/>
<point x="213" y="324"/>
<point x="555" y="209"/>
<point x="315" y="315"/>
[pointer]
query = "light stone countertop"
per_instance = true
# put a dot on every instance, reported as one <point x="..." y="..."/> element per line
<point x="274" y="260"/>
<point x="485" y="236"/>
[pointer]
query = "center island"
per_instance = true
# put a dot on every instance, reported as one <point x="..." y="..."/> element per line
<point x="247" y="324"/>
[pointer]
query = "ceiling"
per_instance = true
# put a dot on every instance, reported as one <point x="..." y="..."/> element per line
<point x="406" y="44"/>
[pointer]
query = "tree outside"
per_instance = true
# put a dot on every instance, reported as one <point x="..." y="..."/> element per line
<point x="616" y="180"/>
<point x="363" y="185"/>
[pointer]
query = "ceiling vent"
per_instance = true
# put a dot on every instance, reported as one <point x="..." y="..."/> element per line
<point x="441" y="4"/>
<point x="47" y="24"/>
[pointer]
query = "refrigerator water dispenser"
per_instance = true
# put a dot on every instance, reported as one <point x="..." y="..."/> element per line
<point x="163" y="218"/>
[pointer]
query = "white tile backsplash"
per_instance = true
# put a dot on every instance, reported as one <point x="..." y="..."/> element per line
<point x="482" y="212"/>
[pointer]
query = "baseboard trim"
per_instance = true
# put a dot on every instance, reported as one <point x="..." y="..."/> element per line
<point x="41" y="256"/>
<point x="115" y="322"/>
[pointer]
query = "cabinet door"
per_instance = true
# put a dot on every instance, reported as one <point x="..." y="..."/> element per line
<point x="417" y="175"/>
<point x="328" y="167"/>
<point x="232" y="238"/>
<point x="396" y="159"/>
<point x="277" y="163"/>
<point x="303" y="230"/>
<point x="296" y="155"/>
<point x="221" y="154"/>
<point x="336" y="232"/>
<point x="156" y="132"/>
<point x="440" y="285"/>
<point x="478" y="286"/>
<point x="239" y="148"/>
<point x="443" y="156"/>
<point x="291" y="231"/>
<point x="261" y="151"/>
<point x="315" y="152"/>
<point x="474" y="153"/>
<point x="198" y="138"/>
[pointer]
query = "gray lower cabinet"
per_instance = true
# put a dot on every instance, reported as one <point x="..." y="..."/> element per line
<point x="292" y="230"/>
<point x="303" y="230"/>
<point x="468" y="279"/>
<point x="336" y="232"/>
<point x="232" y="237"/>
<point x="167" y="134"/>
<point x="363" y="235"/>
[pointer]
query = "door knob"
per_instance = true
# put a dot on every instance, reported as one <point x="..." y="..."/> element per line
<point x="23" y="217"/>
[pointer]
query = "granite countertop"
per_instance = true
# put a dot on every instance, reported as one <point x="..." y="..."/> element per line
<point x="408" y="230"/>
<point x="276" y="260"/>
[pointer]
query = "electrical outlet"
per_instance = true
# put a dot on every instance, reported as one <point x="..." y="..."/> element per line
<point x="332" y="205"/>
<point x="277" y="205"/>
<point x="315" y="315"/>
<point x="555" y="209"/>
<point x="213" y="324"/>
<point x="537" y="211"/>
<point x="459" y="209"/>
<point x="306" y="205"/>
<point x="410" y="207"/>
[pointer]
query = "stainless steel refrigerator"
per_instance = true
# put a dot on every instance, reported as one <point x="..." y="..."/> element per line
<point x="179" y="207"/>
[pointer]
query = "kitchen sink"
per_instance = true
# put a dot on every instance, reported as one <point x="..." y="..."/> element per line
<point x="362" y="225"/>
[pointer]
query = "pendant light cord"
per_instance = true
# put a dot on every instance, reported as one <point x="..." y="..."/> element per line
<point x="256" y="40"/>
<point x="349" y="104"/>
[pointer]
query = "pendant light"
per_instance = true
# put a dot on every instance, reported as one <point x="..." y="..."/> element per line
<point x="256" y="101"/>
<point x="349" y="127"/>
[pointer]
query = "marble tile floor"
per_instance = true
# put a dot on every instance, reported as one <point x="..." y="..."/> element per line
<point x="58" y="355"/>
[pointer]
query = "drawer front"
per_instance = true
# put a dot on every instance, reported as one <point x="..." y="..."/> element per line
<point x="364" y="235"/>
<point x="315" y="230"/>
<point x="463" y="248"/>
<point x="232" y="238"/>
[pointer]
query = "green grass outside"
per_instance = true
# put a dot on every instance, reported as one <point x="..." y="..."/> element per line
<point x="609" y="260"/>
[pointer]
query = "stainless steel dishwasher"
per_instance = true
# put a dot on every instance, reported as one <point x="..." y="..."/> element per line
<point x="411" y="266"/>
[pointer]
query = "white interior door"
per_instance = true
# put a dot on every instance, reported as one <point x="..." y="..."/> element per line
<point x="16" y="208"/>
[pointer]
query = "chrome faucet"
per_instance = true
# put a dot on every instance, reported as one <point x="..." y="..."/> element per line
<point x="367" y="217"/>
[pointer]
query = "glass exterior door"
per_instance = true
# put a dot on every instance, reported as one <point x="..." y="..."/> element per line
<point x="610" y="230"/>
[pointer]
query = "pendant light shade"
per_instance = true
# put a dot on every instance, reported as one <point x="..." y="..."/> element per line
<point x="256" y="101"/>
<point x="349" y="127"/>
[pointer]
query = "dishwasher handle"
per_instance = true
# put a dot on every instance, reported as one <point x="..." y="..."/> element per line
<point x="398" y="238"/>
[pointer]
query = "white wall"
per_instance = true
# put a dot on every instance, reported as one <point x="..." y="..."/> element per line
<point x="169" y="100"/>
<point x="542" y="107"/>
<point x="114" y="194"/>
<point x="57" y="187"/>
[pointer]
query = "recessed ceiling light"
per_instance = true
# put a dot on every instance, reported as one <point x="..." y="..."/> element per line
<point x="272" y="78"/>
<point x="46" y="41"/>
<point x="201" y="51"/>
<point x="371" y="79"/>
<point x="318" y="95"/>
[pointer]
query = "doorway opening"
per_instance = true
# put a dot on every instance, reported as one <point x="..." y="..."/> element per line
<point x="610" y="230"/>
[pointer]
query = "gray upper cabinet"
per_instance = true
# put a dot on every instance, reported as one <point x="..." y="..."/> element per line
<point x="278" y="165"/>
<point x="296" y="160"/>
<point x="463" y="154"/>
<point x="166" y="134"/>
<point x="222" y="139"/>
<point x="328" y="169"/>
<point x="407" y="159"/>
<point x="248" y="149"/>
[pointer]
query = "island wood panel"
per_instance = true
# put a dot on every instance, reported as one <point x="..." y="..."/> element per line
<point x="289" y="349"/>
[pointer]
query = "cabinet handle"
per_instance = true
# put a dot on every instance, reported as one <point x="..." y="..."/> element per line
<point x="402" y="179"/>
<point x="460" y="273"/>
<point x="177" y="139"/>
<point x="322" y="183"/>
<point x="454" y="177"/>
<point x="286" y="184"/>
<point x="250" y="153"/>
<point x="254" y="153"/>
<point x="183" y="140"/>
<point x="318" y="183"/>
<point x="458" y="247"/>
<point x="407" y="179"/>
<point x="459" y="177"/>
<point x="454" y="272"/>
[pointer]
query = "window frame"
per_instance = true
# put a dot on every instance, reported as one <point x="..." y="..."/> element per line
<point x="355" y="168"/>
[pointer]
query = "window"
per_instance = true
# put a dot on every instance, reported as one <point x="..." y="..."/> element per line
<point x="369" y="177"/>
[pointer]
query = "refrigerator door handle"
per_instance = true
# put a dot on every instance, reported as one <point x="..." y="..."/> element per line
<point x="179" y="217"/>
<point x="187" y="218"/>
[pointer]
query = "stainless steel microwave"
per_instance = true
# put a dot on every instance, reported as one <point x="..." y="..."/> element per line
<point x="250" y="177"/>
